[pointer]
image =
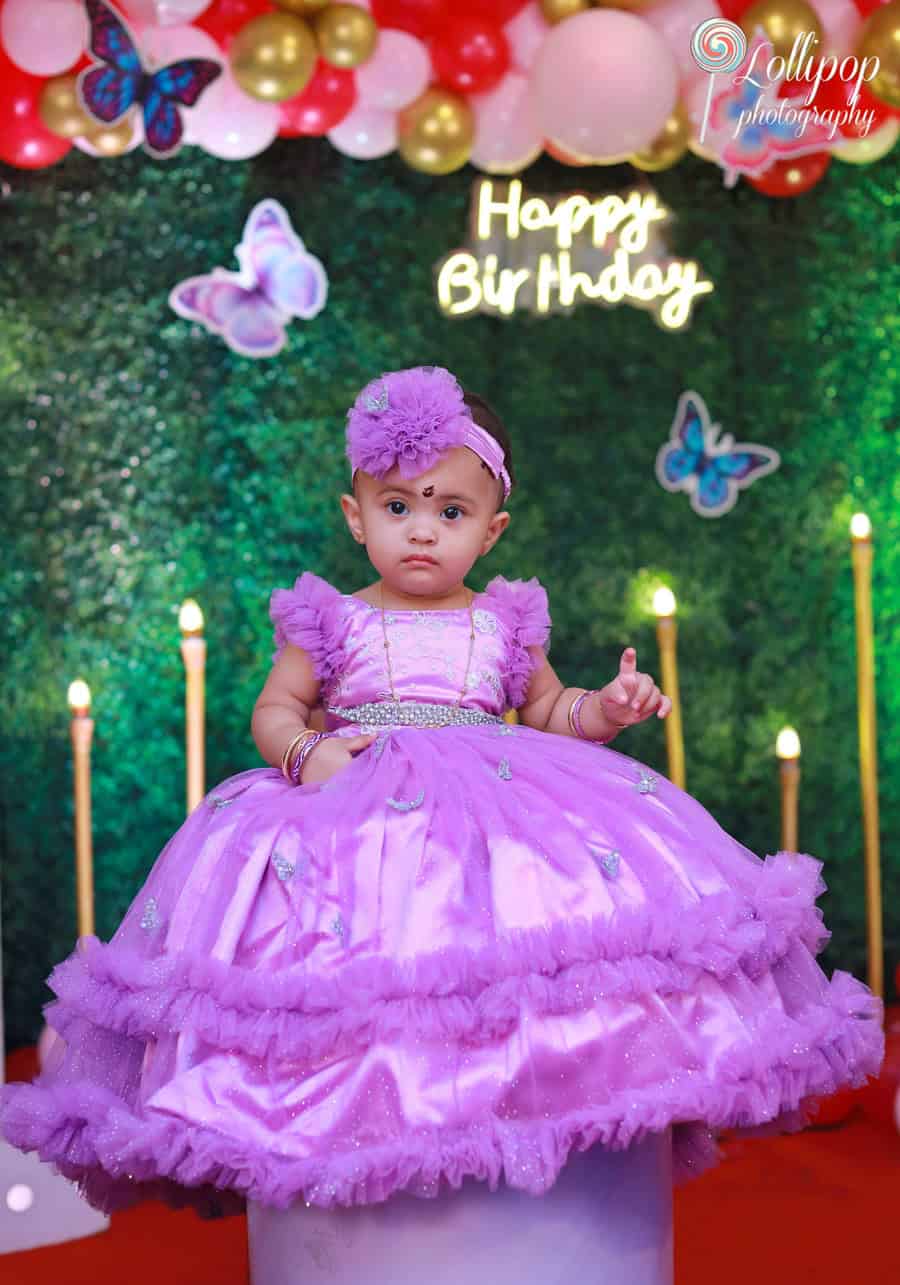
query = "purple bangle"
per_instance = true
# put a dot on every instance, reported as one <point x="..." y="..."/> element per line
<point x="305" y="751"/>
<point x="575" y="713"/>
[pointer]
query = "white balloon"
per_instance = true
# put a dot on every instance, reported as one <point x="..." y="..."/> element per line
<point x="365" y="133"/>
<point x="676" y="21"/>
<point x="229" y="123"/>
<point x="169" y="13"/>
<point x="44" y="37"/>
<point x="162" y="45"/>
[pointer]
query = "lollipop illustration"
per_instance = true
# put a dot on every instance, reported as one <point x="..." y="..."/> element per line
<point x="717" y="45"/>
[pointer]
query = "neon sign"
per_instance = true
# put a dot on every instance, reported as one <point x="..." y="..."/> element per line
<point x="548" y="254"/>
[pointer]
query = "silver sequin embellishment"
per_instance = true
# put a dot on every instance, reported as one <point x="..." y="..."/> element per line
<point x="385" y="713"/>
<point x="506" y="729"/>
<point x="150" y="917"/>
<point x="503" y="770"/>
<point x="407" y="807"/>
<point x="647" y="783"/>
<point x="283" y="868"/>
<point x="216" y="802"/>
<point x="609" y="862"/>
<point x="378" y="403"/>
<point x="337" y="927"/>
<point x="380" y="741"/>
<point x="486" y="621"/>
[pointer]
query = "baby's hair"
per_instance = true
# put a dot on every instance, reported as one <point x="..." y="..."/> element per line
<point x="487" y="418"/>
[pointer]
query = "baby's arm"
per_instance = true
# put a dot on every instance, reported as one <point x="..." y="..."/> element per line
<point x="547" y="704"/>
<point x="282" y="707"/>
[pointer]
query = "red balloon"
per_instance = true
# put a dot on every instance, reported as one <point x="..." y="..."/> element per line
<point x="498" y="11"/>
<point x="420" y="17"/>
<point x="734" y="10"/>
<point x="868" y="7"/>
<point x="24" y="139"/>
<point x="324" y="102"/>
<point x="791" y="177"/>
<point x="224" y="18"/>
<point x="469" y="54"/>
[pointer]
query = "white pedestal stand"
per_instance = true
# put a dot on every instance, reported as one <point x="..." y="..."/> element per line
<point x="37" y="1205"/>
<point x="606" y="1221"/>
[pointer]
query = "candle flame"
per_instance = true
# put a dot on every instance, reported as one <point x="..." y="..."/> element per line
<point x="79" y="696"/>
<point x="860" y="527"/>
<point x="787" y="744"/>
<point x="664" y="601"/>
<point x="190" y="618"/>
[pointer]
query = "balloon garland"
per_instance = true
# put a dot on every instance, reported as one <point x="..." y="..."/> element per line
<point x="450" y="82"/>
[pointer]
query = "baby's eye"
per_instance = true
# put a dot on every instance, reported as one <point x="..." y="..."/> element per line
<point x="391" y="504"/>
<point x="453" y="508"/>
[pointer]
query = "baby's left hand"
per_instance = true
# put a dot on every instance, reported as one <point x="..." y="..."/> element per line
<point x="631" y="697"/>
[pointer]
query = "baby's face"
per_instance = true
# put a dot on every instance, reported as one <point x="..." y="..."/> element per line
<point x="448" y="514"/>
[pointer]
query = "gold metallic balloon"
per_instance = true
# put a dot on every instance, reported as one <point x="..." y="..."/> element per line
<point x="669" y="145"/>
<point x="112" y="140"/>
<point x="302" y="8"/>
<point x="435" y="133"/>
<point x="881" y="39"/>
<point x="784" y="21"/>
<point x="273" y="56"/>
<point x="347" y="35"/>
<point x="871" y="147"/>
<point x="61" y="110"/>
<point x="558" y="10"/>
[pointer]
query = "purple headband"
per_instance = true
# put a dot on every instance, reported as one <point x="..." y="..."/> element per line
<point x="409" y="418"/>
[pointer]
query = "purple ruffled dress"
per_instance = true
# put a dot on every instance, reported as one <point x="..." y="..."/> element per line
<point x="476" y="948"/>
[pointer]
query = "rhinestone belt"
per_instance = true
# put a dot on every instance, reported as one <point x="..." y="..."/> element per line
<point x="411" y="714"/>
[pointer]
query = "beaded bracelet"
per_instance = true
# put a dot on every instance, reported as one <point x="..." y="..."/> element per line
<point x="576" y="725"/>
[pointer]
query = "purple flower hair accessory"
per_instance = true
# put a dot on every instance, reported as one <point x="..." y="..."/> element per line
<point x="409" y="418"/>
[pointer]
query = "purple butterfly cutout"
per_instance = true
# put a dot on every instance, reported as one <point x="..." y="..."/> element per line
<point x="111" y="89"/>
<point x="711" y="471"/>
<point x="278" y="280"/>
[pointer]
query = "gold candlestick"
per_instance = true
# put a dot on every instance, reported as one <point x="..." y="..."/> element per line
<point x="82" y="730"/>
<point x="664" y="606"/>
<point x="193" y="653"/>
<point x="787" y="747"/>
<point x="861" y="547"/>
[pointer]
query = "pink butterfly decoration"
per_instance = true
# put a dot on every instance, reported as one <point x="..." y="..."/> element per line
<point x="278" y="279"/>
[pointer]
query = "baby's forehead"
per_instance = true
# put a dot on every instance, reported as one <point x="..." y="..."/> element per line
<point x="458" y="471"/>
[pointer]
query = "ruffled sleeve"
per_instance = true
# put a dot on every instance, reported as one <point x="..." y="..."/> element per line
<point x="523" y="607"/>
<point x="310" y="616"/>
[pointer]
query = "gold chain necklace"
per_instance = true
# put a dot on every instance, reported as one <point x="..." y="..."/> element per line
<point x="387" y="650"/>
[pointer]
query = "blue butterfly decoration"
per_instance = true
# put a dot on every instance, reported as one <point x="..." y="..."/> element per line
<point x="107" y="92"/>
<point x="711" y="471"/>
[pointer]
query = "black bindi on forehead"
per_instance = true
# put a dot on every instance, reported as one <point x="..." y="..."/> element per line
<point x="428" y="491"/>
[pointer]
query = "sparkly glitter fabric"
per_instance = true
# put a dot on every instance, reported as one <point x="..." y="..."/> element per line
<point x="476" y="948"/>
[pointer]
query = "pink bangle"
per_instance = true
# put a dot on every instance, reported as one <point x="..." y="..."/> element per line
<point x="306" y="749"/>
<point x="575" y="720"/>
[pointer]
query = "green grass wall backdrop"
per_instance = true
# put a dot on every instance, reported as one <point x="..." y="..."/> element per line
<point x="145" y="462"/>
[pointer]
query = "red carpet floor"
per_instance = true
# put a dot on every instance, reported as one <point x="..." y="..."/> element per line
<point x="817" y="1206"/>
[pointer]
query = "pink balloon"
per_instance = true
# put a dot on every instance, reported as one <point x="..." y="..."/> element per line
<point x="396" y="74"/>
<point x="162" y="45"/>
<point x="229" y="123"/>
<point x="841" y="21"/>
<point x="675" y="20"/>
<point x="525" y="34"/>
<point x="44" y="37"/>
<point x="172" y="13"/>
<point x="605" y="82"/>
<point x="507" y="134"/>
<point x="365" y="133"/>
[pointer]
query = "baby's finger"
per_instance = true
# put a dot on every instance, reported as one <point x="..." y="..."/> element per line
<point x="643" y="689"/>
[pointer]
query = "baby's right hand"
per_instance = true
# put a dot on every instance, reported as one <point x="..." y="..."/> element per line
<point x="330" y="755"/>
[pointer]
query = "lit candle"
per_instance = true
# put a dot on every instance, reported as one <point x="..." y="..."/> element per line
<point x="193" y="653"/>
<point x="82" y="730"/>
<point x="664" y="607"/>
<point x="861" y="545"/>
<point x="787" y="747"/>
